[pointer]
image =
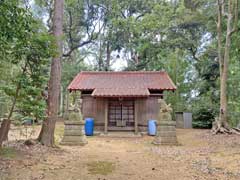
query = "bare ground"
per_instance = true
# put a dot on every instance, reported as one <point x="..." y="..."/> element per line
<point x="199" y="156"/>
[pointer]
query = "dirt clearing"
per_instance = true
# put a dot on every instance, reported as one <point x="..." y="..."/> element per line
<point x="199" y="156"/>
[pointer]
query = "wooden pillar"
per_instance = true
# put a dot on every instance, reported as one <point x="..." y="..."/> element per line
<point x="66" y="106"/>
<point x="67" y="101"/>
<point x="106" y="117"/>
<point x="136" y="116"/>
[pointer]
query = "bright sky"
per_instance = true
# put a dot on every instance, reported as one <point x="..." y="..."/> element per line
<point x="116" y="64"/>
<point x="119" y="64"/>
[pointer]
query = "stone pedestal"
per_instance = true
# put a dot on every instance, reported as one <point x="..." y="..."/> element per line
<point x="166" y="133"/>
<point x="74" y="133"/>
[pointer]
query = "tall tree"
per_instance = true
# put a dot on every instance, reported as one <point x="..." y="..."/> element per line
<point x="27" y="57"/>
<point x="46" y="136"/>
<point x="221" y="124"/>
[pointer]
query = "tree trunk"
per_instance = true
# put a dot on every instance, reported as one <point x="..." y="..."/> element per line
<point x="107" y="66"/>
<point x="224" y="73"/>
<point x="46" y="136"/>
<point x="238" y="126"/>
<point x="100" y="61"/>
<point x="221" y="123"/>
<point x="5" y="126"/>
<point x="136" y="58"/>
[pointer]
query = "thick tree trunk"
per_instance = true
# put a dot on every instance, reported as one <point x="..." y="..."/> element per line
<point x="46" y="136"/>
<point x="224" y="73"/>
<point x="221" y="123"/>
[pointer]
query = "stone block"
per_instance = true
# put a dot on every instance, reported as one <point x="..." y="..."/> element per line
<point x="73" y="127"/>
<point x="166" y="133"/>
<point x="74" y="133"/>
<point x="166" y="128"/>
<point x="74" y="140"/>
<point x="165" y="141"/>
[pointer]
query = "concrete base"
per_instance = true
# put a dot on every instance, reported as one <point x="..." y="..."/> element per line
<point x="121" y="135"/>
<point x="166" y="134"/>
<point x="74" y="141"/>
<point x="74" y="133"/>
<point x="165" y="141"/>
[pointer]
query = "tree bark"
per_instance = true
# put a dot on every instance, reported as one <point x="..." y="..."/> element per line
<point x="221" y="123"/>
<point x="136" y="58"/>
<point x="46" y="136"/>
<point x="224" y="73"/>
<point x="107" y="66"/>
<point x="5" y="126"/>
<point x="100" y="61"/>
<point x="219" y="36"/>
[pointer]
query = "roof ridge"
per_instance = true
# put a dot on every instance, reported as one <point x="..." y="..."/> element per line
<point x="122" y="72"/>
<point x="123" y="88"/>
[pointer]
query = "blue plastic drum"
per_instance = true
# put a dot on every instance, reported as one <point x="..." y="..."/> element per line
<point x="89" y="126"/>
<point x="152" y="127"/>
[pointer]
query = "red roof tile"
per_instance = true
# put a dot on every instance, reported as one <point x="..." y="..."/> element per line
<point x="126" y="83"/>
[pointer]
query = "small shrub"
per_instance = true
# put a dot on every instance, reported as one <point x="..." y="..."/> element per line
<point x="203" y="117"/>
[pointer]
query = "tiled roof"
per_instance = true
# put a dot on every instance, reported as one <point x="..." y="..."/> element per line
<point x="126" y="83"/>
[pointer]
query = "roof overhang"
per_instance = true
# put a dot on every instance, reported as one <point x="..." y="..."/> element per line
<point x="120" y="92"/>
<point x="126" y="83"/>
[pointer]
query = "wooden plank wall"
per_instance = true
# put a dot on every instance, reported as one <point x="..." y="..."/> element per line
<point x="141" y="109"/>
<point x="147" y="109"/>
<point x="94" y="107"/>
<point x="152" y="108"/>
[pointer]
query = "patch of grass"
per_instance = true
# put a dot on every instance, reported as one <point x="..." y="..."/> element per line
<point x="7" y="152"/>
<point x="101" y="167"/>
<point x="59" y="131"/>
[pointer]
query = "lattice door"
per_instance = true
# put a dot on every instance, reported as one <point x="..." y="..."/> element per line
<point x="121" y="113"/>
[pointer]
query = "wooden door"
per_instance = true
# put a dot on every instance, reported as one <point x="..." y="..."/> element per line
<point x="114" y="112"/>
<point x="121" y="113"/>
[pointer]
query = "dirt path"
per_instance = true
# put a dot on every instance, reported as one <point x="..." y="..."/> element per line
<point x="200" y="156"/>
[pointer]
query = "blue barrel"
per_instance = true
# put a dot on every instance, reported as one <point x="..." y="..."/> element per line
<point x="89" y="126"/>
<point x="152" y="127"/>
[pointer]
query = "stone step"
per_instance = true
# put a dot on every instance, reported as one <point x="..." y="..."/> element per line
<point x="121" y="135"/>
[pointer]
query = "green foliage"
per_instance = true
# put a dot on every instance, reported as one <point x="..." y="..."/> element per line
<point x="175" y="36"/>
<point x="71" y="68"/>
<point x="30" y="100"/>
<point x="25" y="50"/>
<point x="204" y="114"/>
